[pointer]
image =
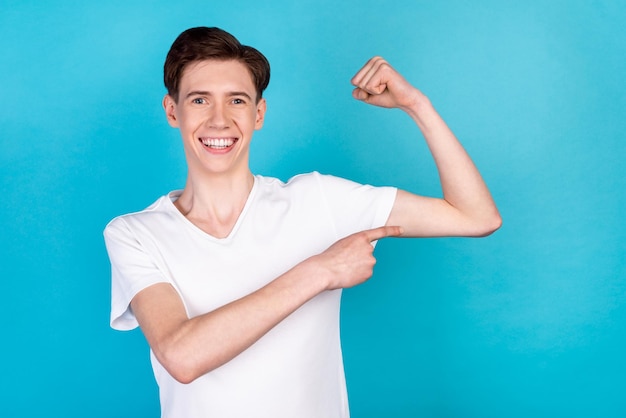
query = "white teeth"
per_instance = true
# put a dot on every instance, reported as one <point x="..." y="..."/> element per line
<point x="218" y="143"/>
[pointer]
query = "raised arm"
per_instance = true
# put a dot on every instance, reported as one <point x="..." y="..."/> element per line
<point x="466" y="208"/>
<point x="189" y="348"/>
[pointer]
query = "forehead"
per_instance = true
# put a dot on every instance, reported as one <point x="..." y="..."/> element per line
<point x="217" y="75"/>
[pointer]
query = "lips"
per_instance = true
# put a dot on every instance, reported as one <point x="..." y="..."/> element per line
<point x="218" y="143"/>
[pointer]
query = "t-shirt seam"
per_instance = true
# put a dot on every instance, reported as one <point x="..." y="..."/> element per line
<point x="318" y="179"/>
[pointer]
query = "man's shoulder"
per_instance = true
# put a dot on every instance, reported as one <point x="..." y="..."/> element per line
<point x="297" y="187"/>
<point x="153" y="214"/>
<point x="303" y="180"/>
<point x="314" y="184"/>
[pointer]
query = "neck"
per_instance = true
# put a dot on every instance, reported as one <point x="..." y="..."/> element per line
<point x="214" y="204"/>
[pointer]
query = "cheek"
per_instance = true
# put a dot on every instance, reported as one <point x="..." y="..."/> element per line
<point x="190" y="121"/>
<point x="245" y="120"/>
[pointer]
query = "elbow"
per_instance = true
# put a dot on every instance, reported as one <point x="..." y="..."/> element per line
<point x="180" y="365"/>
<point x="488" y="225"/>
<point x="183" y="375"/>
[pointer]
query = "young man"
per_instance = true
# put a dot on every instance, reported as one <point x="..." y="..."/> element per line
<point x="236" y="280"/>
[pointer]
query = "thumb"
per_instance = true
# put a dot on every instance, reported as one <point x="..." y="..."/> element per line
<point x="360" y="94"/>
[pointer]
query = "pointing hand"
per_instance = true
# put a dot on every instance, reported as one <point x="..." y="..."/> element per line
<point x="350" y="261"/>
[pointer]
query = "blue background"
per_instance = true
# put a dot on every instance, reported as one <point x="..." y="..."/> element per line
<point x="530" y="322"/>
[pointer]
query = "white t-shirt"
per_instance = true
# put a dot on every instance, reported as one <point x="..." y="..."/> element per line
<point x="296" y="369"/>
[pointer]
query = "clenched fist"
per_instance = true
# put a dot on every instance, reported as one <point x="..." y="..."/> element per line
<point x="377" y="83"/>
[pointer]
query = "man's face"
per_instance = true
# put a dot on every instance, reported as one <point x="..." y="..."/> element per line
<point x="217" y="114"/>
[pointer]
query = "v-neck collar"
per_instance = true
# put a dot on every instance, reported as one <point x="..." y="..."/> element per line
<point x="174" y="195"/>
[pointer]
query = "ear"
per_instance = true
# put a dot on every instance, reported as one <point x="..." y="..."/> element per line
<point x="261" y="107"/>
<point x="169" y="105"/>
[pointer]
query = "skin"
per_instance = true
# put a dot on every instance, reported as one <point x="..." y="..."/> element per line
<point x="467" y="208"/>
<point x="217" y="100"/>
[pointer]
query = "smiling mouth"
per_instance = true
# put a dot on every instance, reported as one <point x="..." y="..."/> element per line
<point x="218" y="143"/>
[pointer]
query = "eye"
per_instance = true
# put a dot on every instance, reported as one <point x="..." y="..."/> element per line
<point x="198" y="100"/>
<point x="238" y="101"/>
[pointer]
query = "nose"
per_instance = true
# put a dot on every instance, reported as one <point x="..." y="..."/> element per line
<point x="217" y="117"/>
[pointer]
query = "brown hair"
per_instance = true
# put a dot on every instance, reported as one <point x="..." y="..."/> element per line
<point x="202" y="43"/>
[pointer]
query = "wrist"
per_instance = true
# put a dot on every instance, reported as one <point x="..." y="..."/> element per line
<point x="419" y="106"/>
<point x="315" y="277"/>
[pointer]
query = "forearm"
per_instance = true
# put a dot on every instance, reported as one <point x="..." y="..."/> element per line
<point x="193" y="347"/>
<point x="189" y="348"/>
<point x="462" y="184"/>
<point x="467" y="208"/>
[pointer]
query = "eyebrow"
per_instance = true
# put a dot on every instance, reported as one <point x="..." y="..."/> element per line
<point x="208" y="93"/>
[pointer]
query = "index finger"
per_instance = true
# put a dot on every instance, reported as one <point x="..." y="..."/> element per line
<point x="383" y="232"/>
<point x="360" y="75"/>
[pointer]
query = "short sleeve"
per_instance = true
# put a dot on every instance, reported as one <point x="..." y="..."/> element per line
<point x="355" y="207"/>
<point x="132" y="270"/>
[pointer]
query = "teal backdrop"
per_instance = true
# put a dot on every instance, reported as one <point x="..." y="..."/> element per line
<point x="529" y="322"/>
